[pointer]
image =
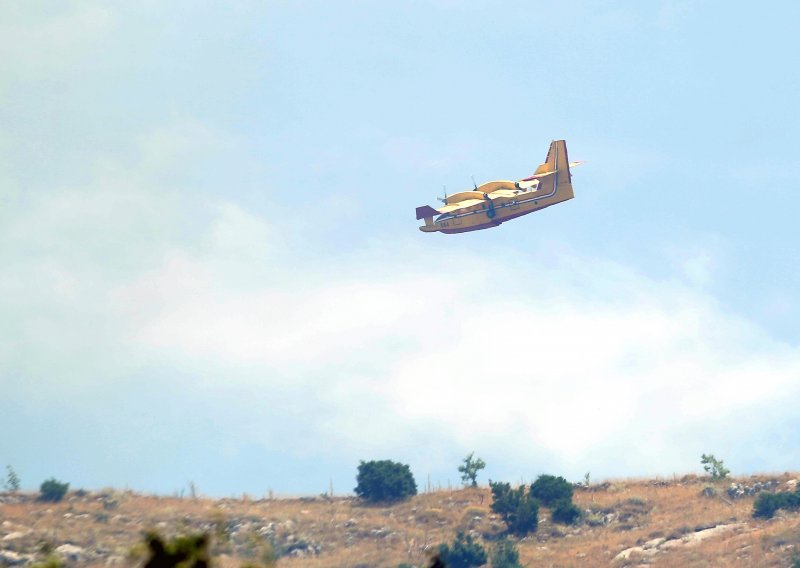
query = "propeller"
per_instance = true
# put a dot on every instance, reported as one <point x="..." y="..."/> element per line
<point x="443" y="199"/>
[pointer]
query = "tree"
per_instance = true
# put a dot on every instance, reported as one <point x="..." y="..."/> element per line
<point x="384" y="481"/>
<point x="518" y="508"/>
<point x="550" y="489"/>
<point x="465" y="553"/>
<point x="469" y="470"/>
<point x="714" y="466"/>
<point x="505" y="554"/>
<point x="12" y="480"/>
<point x="52" y="490"/>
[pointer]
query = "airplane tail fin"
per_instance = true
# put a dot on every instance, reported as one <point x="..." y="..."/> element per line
<point x="554" y="175"/>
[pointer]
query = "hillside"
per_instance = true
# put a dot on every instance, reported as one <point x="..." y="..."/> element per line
<point x="626" y="523"/>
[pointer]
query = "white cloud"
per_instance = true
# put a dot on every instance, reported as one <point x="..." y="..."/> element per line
<point x="527" y="357"/>
<point x="586" y="355"/>
<point x="34" y="46"/>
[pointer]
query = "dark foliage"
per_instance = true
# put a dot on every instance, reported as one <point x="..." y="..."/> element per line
<point x="565" y="513"/>
<point x="505" y="554"/>
<point x="52" y="490"/>
<point x="384" y="481"/>
<point x="464" y="553"/>
<point x="549" y="489"/>
<point x="767" y="504"/>
<point x="518" y="508"/>
<point x="185" y="551"/>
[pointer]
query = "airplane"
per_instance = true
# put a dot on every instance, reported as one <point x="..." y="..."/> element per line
<point x="496" y="202"/>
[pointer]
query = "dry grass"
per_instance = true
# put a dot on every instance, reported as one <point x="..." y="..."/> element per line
<point x="346" y="533"/>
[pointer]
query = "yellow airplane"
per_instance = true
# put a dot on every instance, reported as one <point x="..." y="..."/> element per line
<point x="496" y="202"/>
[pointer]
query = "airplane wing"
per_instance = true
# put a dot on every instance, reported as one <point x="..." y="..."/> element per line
<point x="459" y="205"/>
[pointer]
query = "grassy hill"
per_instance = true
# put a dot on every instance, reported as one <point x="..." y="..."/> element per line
<point x="626" y="523"/>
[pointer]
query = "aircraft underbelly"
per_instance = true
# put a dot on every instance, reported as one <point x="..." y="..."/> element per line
<point x="481" y="221"/>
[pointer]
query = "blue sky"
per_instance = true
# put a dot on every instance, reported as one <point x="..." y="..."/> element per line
<point x="212" y="271"/>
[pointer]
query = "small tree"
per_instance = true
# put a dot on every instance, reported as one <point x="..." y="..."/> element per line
<point x="518" y="508"/>
<point x="384" y="481"/>
<point x="12" y="480"/>
<point x="714" y="466"/>
<point x="465" y="553"/>
<point x="52" y="490"/>
<point x="469" y="470"/>
<point x="550" y="489"/>
<point x="505" y="554"/>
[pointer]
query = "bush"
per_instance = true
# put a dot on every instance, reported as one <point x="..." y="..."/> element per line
<point x="565" y="513"/>
<point x="52" y="490"/>
<point x="505" y="555"/>
<point x="384" y="481"/>
<point x="518" y="509"/>
<point x="549" y="489"/>
<point x="766" y="504"/>
<point x="465" y="553"/>
<point x="189" y="550"/>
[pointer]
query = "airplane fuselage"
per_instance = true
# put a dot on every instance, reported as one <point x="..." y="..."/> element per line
<point x="492" y="212"/>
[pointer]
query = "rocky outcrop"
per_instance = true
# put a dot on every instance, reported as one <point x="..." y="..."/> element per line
<point x="740" y="490"/>
<point x="653" y="547"/>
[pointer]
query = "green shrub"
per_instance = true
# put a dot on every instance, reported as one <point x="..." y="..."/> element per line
<point x="189" y="551"/>
<point x="518" y="508"/>
<point x="766" y="504"/>
<point x="505" y="554"/>
<point x="565" y="513"/>
<point x="52" y="490"/>
<point x="384" y="481"/>
<point x="464" y="553"/>
<point x="549" y="489"/>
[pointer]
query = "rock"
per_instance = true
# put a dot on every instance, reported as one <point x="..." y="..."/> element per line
<point x="655" y="543"/>
<point x="70" y="552"/>
<point x="708" y="492"/>
<point x="15" y="535"/>
<point x="739" y="490"/>
<point x="9" y="558"/>
<point x="693" y="539"/>
<point x="640" y="550"/>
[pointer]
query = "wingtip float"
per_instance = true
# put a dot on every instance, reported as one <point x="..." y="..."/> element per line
<point x="496" y="202"/>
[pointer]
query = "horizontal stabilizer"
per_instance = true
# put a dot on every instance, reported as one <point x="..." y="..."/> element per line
<point x="426" y="211"/>
<point x="538" y="176"/>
